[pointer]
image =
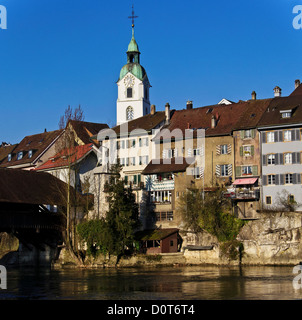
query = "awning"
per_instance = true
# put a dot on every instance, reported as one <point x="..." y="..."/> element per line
<point x="245" y="181"/>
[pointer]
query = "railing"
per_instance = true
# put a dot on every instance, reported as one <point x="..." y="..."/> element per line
<point x="162" y="185"/>
<point x="247" y="194"/>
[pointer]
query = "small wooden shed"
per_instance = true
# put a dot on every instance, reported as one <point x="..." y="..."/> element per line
<point x="156" y="241"/>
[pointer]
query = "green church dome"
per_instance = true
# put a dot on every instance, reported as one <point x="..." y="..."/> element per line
<point x="135" y="68"/>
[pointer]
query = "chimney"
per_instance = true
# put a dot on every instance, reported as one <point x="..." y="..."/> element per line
<point x="213" y="122"/>
<point x="297" y="83"/>
<point x="152" y="109"/>
<point x="277" y="91"/>
<point x="189" y="105"/>
<point x="167" y="112"/>
<point x="254" y="95"/>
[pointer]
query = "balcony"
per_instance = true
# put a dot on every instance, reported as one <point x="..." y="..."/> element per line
<point x="242" y="195"/>
<point x="161" y="185"/>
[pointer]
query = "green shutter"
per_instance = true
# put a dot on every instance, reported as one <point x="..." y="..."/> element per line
<point x="255" y="170"/>
<point x="126" y="179"/>
<point x="238" y="171"/>
<point x="242" y="134"/>
<point x="139" y="178"/>
<point x="253" y="133"/>
<point x="135" y="179"/>
<point x="252" y="150"/>
<point x="241" y="151"/>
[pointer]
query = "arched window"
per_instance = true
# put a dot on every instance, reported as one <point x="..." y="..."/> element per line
<point x="129" y="113"/>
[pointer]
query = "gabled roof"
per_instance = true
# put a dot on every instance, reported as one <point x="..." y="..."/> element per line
<point x="297" y="91"/>
<point x="5" y="150"/>
<point x="38" y="143"/>
<point x="252" y="114"/>
<point x="86" y="131"/>
<point x="67" y="157"/>
<point x="226" y="117"/>
<point x="272" y="115"/>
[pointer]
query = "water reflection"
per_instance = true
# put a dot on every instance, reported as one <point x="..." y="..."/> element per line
<point x="201" y="283"/>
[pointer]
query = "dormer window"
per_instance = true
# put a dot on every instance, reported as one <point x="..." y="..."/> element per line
<point x="20" y="155"/>
<point x="30" y="154"/>
<point x="286" y="113"/>
<point x="9" y="157"/>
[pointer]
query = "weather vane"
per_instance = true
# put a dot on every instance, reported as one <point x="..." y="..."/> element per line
<point x="132" y="17"/>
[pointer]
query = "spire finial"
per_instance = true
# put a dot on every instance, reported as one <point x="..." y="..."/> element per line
<point x="132" y="17"/>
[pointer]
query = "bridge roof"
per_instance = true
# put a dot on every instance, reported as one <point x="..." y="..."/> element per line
<point x="30" y="187"/>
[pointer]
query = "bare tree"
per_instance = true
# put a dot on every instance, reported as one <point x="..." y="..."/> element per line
<point x="66" y="148"/>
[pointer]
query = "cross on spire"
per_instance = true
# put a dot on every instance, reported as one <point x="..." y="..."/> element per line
<point x="132" y="17"/>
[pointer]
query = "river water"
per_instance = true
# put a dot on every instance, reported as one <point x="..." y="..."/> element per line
<point x="162" y="283"/>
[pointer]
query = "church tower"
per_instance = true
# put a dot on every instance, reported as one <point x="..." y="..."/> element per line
<point x="133" y="86"/>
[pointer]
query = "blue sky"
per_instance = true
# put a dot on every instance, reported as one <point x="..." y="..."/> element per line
<point x="56" y="53"/>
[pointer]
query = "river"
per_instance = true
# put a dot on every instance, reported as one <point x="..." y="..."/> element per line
<point x="162" y="283"/>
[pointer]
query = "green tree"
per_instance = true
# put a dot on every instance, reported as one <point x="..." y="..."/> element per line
<point x="122" y="216"/>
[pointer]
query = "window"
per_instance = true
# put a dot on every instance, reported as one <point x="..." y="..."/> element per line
<point x="129" y="92"/>
<point x="271" y="179"/>
<point x="287" y="134"/>
<point x="246" y="170"/>
<point x="288" y="178"/>
<point x="286" y="114"/>
<point x="291" y="198"/>
<point x="271" y="159"/>
<point x="122" y="162"/>
<point x="247" y="151"/>
<point x="9" y="157"/>
<point x="196" y="173"/>
<point x="131" y="143"/>
<point x="143" y="160"/>
<point x="30" y="154"/>
<point x="247" y="134"/>
<point x="161" y="196"/>
<point x="224" y="149"/>
<point x="270" y="136"/>
<point x="171" y="243"/>
<point x="129" y="113"/>
<point x="224" y="170"/>
<point x="20" y="155"/>
<point x="288" y="159"/>
<point x="268" y="200"/>
<point x="164" y="216"/>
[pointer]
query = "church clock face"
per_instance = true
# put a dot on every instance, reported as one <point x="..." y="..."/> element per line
<point x="129" y="81"/>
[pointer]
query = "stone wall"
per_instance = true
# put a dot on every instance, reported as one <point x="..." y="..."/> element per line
<point x="273" y="239"/>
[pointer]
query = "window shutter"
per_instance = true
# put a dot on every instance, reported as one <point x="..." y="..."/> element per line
<point x="293" y="134"/>
<point x="218" y="170"/>
<point x="297" y="134"/>
<point x="242" y="134"/>
<point x="218" y="150"/>
<point x="241" y="151"/>
<point x="253" y="133"/>
<point x="263" y="137"/>
<point x="229" y="148"/>
<point x="276" y="136"/>
<point x="164" y="154"/>
<point x="276" y="159"/>
<point x="190" y="152"/>
<point x="277" y="179"/>
<point x="255" y="170"/>
<point x="294" y="157"/>
<point x="252" y="150"/>
<point x="230" y="170"/>
<point x="126" y="179"/>
<point x="294" y="178"/>
<point x="298" y="178"/>
<point x="238" y="171"/>
<point x="298" y="155"/>
<point x="264" y="180"/>
<point x="280" y="136"/>
<point x="280" y="158"/>
<point x="201" y="172"/>
<point x="135" y="179"/>
<point x="264" y="160"/>
<point x="281" y="178"/>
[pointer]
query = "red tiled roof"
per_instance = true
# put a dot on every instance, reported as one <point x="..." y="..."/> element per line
<point x="297" y="91"/>
<point x="67" y="157"/>
<point x="227" y="117"/>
